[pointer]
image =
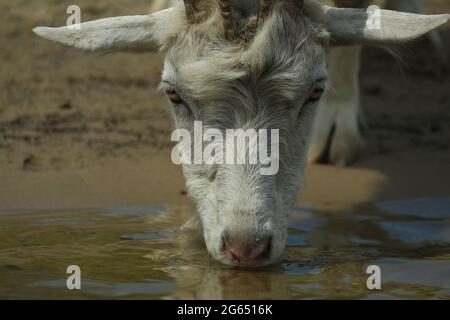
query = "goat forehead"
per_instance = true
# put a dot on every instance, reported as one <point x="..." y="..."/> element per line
<point x="244" y="76"/>
<point x="281" y="63"/>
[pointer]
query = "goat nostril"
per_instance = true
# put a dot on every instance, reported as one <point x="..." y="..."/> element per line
<point x="268" y="246"/>
<point x="225" y="240"/>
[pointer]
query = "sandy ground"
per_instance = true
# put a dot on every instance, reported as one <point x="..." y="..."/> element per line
<point x="84" y="130"/>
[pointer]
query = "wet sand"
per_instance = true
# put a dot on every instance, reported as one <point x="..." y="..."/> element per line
<point x="84" y="130"/>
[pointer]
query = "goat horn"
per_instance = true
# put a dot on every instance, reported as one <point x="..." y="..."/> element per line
<point x="228" y="23"/>
<point x="197" y="10"/>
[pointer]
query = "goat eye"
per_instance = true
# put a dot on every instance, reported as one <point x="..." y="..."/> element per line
<point x="174" y="97"/>
<point x="316" y="95"/>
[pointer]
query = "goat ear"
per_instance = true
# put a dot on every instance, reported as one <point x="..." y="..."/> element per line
<point x="128" y="33"/>
<point x="376" y="26"/>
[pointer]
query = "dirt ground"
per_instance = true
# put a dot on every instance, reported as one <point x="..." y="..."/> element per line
<point x="84" y="130"/>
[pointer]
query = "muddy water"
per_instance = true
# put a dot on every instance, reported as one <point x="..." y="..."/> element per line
<point x="138" y="252"/>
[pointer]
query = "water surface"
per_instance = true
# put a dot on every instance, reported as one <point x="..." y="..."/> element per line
<point x="139" y="252"/>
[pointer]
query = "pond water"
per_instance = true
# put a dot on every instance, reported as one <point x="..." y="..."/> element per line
<point x="139" y="252"/>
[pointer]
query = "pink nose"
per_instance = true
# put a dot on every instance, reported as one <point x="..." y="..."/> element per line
<point x="242" y="250"/>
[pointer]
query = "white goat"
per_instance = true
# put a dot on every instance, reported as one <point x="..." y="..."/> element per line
<point x="245" y="64"/>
